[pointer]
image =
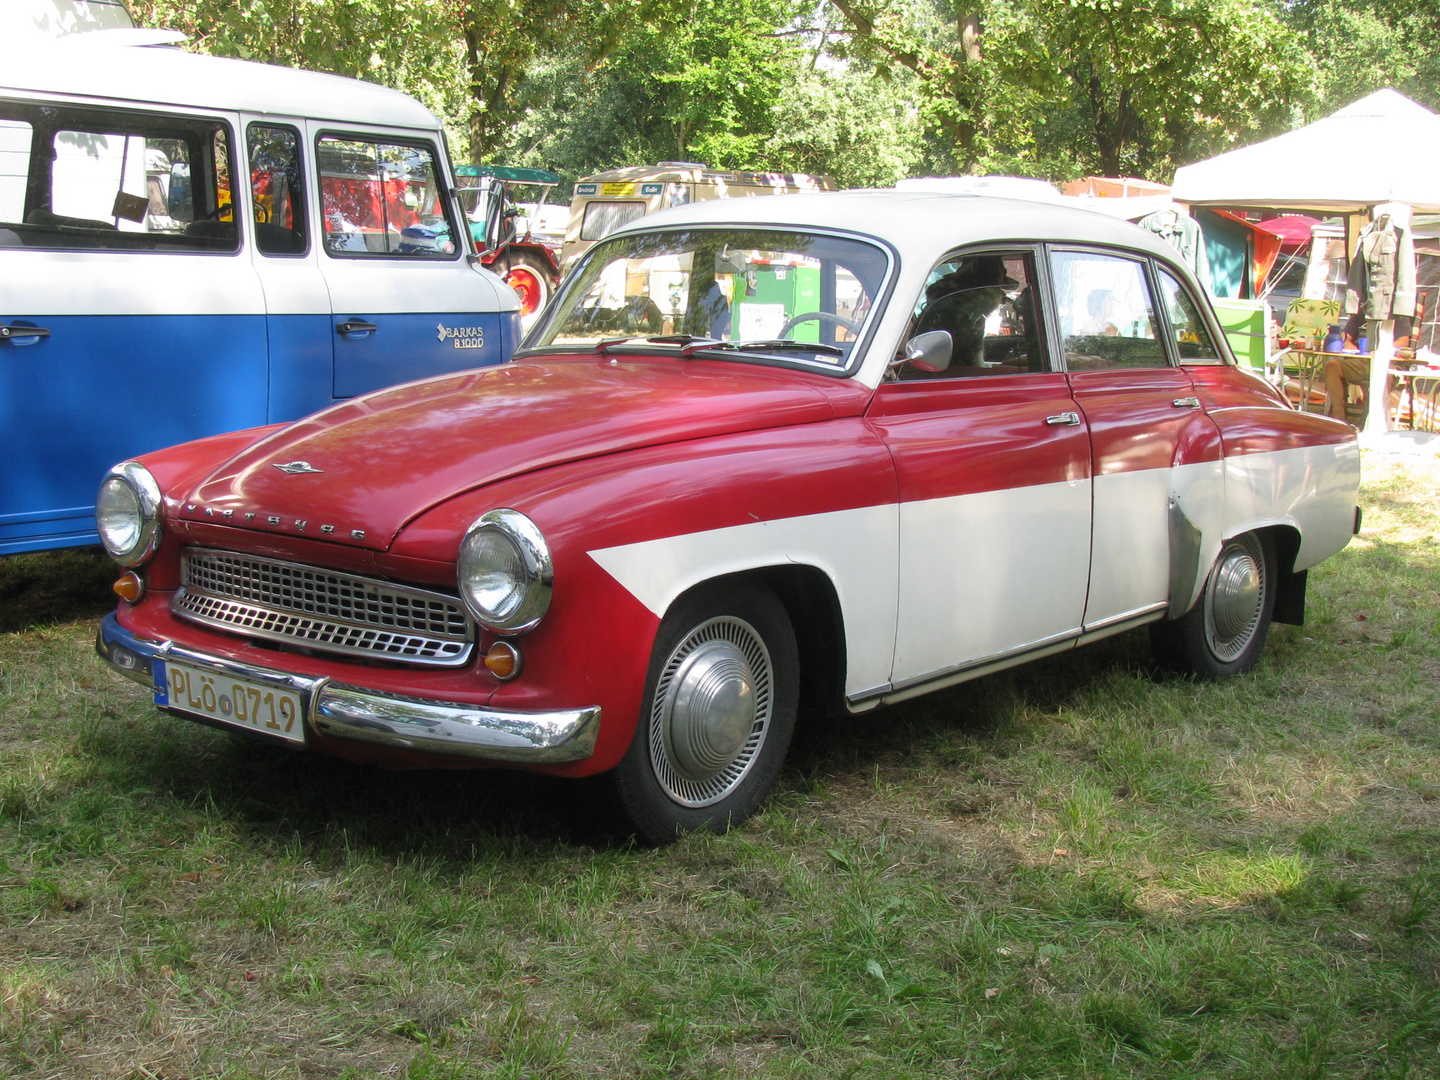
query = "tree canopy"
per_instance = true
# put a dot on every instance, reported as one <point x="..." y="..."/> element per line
<point x="866" y="91"/>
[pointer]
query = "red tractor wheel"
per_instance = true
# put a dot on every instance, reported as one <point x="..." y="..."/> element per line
<point x="531" y="283"/>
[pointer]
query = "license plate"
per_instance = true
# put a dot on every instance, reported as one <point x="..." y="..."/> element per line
<point x="233" y="700"/>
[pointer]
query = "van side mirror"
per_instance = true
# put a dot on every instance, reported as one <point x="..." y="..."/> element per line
<point x="499" y="226"/>
<point x="930" y="351"/>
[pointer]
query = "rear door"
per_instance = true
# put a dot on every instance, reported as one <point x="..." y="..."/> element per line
<point x="405" y="301"/>
<point x="1139" y="407"/>
<point x="131" y="317"/>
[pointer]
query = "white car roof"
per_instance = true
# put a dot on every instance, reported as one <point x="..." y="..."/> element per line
<point x="922" y="227"/>
<point x="168" y="77"/>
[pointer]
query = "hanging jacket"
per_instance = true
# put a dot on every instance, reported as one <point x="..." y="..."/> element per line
<point x="1381" y="281"/>
<point x="1182" y="232"/>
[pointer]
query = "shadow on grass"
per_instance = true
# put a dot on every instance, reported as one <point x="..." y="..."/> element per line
<point x="47" y="587"/>
<point x="279" y="799"/>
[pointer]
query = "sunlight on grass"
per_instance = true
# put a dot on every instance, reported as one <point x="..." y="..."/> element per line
<point x="1070" y="869"/>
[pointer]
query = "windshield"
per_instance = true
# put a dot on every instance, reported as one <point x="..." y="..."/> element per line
<point x="799" y="296"/>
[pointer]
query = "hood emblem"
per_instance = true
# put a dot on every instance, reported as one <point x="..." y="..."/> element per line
<point x="295" y="468"/>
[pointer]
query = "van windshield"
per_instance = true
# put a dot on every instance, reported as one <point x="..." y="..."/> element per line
<point x="799" y="296"/>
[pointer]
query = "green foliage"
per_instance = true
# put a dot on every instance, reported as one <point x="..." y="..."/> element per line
<point x="863" y="90"/>
<point x="1360" y="46"/>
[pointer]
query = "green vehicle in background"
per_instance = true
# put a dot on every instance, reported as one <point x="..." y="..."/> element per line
<point x="530" y="232"/>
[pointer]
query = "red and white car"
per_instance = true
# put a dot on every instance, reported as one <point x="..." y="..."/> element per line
<point x="817" y="452"/>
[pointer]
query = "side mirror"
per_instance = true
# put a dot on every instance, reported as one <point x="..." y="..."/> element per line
<point x="499" y="226"/>
<point x="930" y="351"/>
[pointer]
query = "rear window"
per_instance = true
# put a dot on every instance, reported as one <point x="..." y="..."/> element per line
<point x="103" y="179"/>
<point x="603" y="218"/>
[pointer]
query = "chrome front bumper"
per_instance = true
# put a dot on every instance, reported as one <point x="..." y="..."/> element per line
<point x="372" y="716"/>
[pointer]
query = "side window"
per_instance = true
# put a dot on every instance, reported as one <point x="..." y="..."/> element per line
<point x="382" y="199"/>
<point x="986" y="303"/>
<point x="277" y="187"/>
<point x="1192" y="338"/>
<point x="1107" y="318"/>
<point x="15" y="136"/>
<point x="111" y="180"/>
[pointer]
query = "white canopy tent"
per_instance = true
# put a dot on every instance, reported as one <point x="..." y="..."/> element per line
<point x="1383" y="149"/>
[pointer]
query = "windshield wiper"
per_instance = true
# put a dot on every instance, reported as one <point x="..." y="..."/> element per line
<point x="684" y="340"/>
<point x="776" y="344"/>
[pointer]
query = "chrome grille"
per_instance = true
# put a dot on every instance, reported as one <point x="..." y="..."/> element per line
<point x="322" y="609"/>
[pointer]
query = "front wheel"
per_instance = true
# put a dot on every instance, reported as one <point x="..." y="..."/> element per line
<point x="1224" y="632"/>
<point x="718" y="714"/>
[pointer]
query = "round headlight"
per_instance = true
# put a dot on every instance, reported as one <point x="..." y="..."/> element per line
<point x="127" y="513"/>
<point x="504" y="572"/>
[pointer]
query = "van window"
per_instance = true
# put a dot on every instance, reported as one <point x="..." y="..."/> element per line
<point x="100" y="179"/>
<point x="382" y="199"/>
<point x="14" y="165"/>
<point x="278" y="190"/>
<point x="603" y="218"/>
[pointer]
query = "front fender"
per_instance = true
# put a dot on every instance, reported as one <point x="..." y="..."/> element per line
<point x="631" y="532"/>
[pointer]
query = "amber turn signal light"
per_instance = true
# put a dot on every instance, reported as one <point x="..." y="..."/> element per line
<point x="129" y="587"/>
<point x="503" y="661"/>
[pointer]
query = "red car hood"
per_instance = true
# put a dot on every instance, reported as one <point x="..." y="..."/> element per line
<point x="358" y="471"/>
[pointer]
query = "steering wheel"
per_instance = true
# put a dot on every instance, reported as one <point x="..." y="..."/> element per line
<point x="819" y="316"/>
<point x="262" y="215"/>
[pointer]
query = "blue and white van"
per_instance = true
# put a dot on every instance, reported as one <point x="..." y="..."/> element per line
<point x="191" y="245"/>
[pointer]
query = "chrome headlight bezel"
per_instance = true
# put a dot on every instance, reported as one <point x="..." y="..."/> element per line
<point x="133" y="479"/>
<point x="528" y="598"/>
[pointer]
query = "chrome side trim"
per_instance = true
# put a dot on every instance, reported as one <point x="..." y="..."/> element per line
<point x="889" y="694"/>
<point x="1123" y="621"/>
<point x="385" y="719"/>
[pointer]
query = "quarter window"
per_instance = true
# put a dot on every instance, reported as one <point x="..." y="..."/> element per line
<point x="1107" y="318"/>
<point x="986" y="303"/>
<point x="382" y="199"/>
<point x="1192" y="339"/>
<point x="277" y="190"/>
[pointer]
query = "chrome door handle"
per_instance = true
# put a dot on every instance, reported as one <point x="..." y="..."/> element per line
<point x="1186" y="403"/>
<point x="356" y="326"/>
<point x="22" y="334"/>
<point x="1069" y="418"/>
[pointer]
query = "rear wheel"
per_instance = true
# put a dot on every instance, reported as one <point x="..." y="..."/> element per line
<point x="1226" y="629"/>
<point x="530" y="279"/>
<point x="718" y="715"/>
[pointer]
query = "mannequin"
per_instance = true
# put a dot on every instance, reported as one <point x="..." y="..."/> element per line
<point x="1380" y="288"/>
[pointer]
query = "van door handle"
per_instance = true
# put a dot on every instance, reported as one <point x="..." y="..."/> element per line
<point x="22" y="334"/>
<point x="1186" y="403"/>
<point x="1058" y="419"/>
<point x="356" y="326"/>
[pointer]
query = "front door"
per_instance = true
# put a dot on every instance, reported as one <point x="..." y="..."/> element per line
<point x="405" y="302"/>
<point x="994" y="476"/>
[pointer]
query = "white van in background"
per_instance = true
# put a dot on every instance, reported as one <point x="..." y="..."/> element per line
<point x="191" y="245"/>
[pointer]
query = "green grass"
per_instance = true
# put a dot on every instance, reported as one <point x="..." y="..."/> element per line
<point x="1069" y="870"/>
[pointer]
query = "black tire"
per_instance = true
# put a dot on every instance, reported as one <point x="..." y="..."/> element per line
<point x="718" y="715"/>
<point x="1222" y="635"/>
